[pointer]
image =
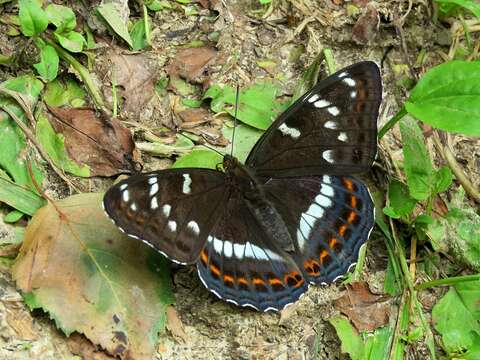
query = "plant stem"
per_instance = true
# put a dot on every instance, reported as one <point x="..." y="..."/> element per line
<point x="396" y="118"/>
<point x="447" y="281"/>
<point x="328" y="56"/>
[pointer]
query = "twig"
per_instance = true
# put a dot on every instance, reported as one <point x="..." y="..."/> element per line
<point x="444" y="148"/>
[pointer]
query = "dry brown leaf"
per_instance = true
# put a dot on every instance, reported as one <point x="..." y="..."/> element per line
<point x="366" y="27"/>
<point x="96" y="140"/>
<point x="175" y="325"/>
<point x="366" y="310"/>
<point x="193" y="117"/>
<point x="21" y="322"/>
<point x="133" y="74"/>
<point x="191" y="63"/>
<point x="93" y="279"/>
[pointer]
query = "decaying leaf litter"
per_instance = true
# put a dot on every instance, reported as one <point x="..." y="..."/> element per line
<point x="251" y="43"/>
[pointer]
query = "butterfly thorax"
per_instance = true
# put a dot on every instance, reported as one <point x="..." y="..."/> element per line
<point x="251" y="190"/>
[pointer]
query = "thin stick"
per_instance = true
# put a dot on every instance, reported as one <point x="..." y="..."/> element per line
<point x="237" y="96"/>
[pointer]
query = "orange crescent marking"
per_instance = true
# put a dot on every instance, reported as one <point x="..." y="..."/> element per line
<point x="323" y="255"/>
<point x="342" y="229"/>
<point x="258" y="281"/>
<point x="275" y="281"/>
<point x="227" y="278"/>
<point x="351" y="217"/>
<point x="242" y="280"/>
<point x="204" y="257"/>
<point x="332" y="243"/>
<point x="214" y="270"/>
<point x="348" y="184"/>
<point x="353" y="202"/>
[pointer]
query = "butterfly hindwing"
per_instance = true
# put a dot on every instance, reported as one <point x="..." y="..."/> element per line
<point x="329" y="217"/>
<point x="329" y="130"/>
<point x="171" y="210"/>
<point x="242" y="265"/>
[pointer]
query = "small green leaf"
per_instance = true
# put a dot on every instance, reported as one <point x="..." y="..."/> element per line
<point x="448" y="97"/>
<point x="54" y="145"/>
<point x="401" y="203"/>
<point x="111" y="15"/>
<point x="139" y="40"/>
<point x="351" y="341"/>
<point x="443" y="179"/>
<point x="470" y="5"/>
<point x="60" y="93"/>
<point x="457" y="318"/>
<point x="418" y="166"/>
<point x="48" y="66"/>
<point x="191" y="103"/>
<point x="19" y="197"/>
<point x="156" y="5"/>
<point x="245" y="138"/>
<point x="258" y="105"/>
<point x="72" y="41"/>
<point x="33" y="19"/>
<point x="62" y="17"/>
<point x="13" y="216"/>
<point x="199" y="159"/>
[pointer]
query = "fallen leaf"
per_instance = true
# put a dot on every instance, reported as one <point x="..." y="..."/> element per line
<point x="93" y="279"/>
<point x="366" y="310"/>
<point x="193" y="117"/>
<point x="192" y="62"/>
<point x="98" y="141"/>
<point x="174" y="324"/>
<point x="366" y="27"/>
<point x="137" y="81"/>
<point x="21" y="321"/>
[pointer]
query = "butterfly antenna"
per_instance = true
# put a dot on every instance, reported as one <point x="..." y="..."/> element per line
<point x="237" y="96"/>
<point x="208" y="147"/>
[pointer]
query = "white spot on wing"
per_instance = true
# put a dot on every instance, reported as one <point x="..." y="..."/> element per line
<point x="343" y="74"/>
<point x="152" y="180"/>
<point x="133" y="206"/>
<point x="227" y="249"/>
<point x="172" y="225"/>
<point x="186" y="184"/>
<point x="328" y="156"/>
<point x="327" y="190"/>
<point x="343" y="136"/>
<point x="154" y="203"/>
<point x="327" y="179"/>
<point x="238" y="250"/>
<point x="166" y="210"/>
<point x="217" y="245"/>
<point x="333" y="110"/>
<point x="256" y="252"/>
<point x="153" y="189"/>
<point x="353" y="94"/>
<point x="322" y="103"/>
<point x="292" y="132"/>
<point x="123" y="186"/>
<point x="125" y="196"/>
<point x="192" y="225"/>
<point x="330" y="125"/>
<point x="313" y="98"/>
<point x="349" y="81"/>
<point x="323" y="201"/>
<point x="315" y="211"/>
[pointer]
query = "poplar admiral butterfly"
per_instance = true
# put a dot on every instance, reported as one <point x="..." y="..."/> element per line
<point x="293" y="215"/>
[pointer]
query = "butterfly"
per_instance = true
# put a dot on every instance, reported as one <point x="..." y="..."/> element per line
<point x="261" y="232"/>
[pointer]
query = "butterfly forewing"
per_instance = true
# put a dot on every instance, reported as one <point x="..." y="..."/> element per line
<point x="171" y="210"/>
<point x="241" y="263"/>
<point x="329" y="218"/>
<point x="330" y="130"/>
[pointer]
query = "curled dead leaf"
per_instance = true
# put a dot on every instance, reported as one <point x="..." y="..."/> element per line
<point x="175" y="325"/>
<point x="366" y="310"/>
<point x="191" y="63"/>
<point x="193" y="117"/>
<point x="97" y="140"/>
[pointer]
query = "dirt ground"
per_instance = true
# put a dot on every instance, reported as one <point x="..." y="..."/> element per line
<point x="215" y="329"/>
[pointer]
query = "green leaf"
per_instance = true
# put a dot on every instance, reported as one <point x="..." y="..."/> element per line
<point x="54" y="145"/>
<point x="473" y="6"/>
<point x="457" y="318"/>
<point x="18" y="197"/>
<point x="401" y="203"/>
<point x="111" y="15"/>
<point x="418" y="166"/>
<point x="139" y="39"/>
<point x="48" y="66"/>
<point x="352" y="343"/>
<point x="72" y="41"/>
<point x="156" y="5"/>
<point x="442" y="179"/>
<point x="258" y="105"/>
<point x="60" y="93"/>
<point x="13" y="216"/>
<point x="12" y="141"/>
<point x="33" y="19"/>
<point x="199" y="159"/>
<point x="448" y="97"/>
<point x="245" y="138"/>
<point x="62" y="17"/>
